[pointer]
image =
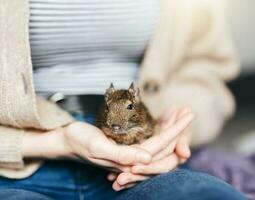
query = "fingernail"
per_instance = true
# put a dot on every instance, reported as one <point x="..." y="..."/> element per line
<point x="187" y="155"/>
<point x="143" y="157"/>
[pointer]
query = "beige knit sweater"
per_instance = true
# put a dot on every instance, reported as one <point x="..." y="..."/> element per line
<point x="189" y="58"/>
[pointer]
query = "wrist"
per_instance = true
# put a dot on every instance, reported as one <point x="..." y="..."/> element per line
<point x="49" y="145"/>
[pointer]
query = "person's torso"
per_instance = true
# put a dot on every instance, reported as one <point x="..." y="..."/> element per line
<point x="81" y="46"/>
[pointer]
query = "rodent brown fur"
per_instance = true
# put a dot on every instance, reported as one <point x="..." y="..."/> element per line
<point x="125" y="118"/>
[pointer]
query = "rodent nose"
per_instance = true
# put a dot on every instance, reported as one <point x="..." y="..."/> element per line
<point x="116" y="126"/>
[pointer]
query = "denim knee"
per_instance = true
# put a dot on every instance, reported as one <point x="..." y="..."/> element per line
<point x="180" y="185"/>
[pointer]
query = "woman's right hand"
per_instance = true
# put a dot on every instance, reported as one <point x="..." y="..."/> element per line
<point x="88" y="142"/>
<point x="84" y="142"/>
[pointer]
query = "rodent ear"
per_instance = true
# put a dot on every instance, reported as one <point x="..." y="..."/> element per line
<point x="134" y="91"/>
<point x="111" y="87"/>
<point x="109" y="91"/>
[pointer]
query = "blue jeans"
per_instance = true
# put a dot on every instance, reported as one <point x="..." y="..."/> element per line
<point x="69" y="180"/>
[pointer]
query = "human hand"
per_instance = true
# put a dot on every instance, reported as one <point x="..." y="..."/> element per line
<point x="87" y="142"/>
<point x="174" y="135"/>
<point x="169" y="149"/>
<point x="84" y="142"/>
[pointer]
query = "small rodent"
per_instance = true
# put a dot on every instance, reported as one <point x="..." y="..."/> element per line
<point x="125" y="118"/>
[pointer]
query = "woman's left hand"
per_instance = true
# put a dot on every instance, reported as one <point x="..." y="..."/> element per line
<point x="166" y="156"/>
<point x="127" y="179"/>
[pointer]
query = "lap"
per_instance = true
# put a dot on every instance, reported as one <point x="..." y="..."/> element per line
<point x="65" y="180"/>
<point x="19" y="194"/>
<point x="182" y="184"/>
<point x="71" y="181"/>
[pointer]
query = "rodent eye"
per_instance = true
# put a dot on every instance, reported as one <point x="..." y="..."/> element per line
<point x="130" y="107"/>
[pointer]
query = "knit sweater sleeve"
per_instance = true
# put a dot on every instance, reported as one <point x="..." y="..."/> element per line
<point x="12" y="164"/>
<point x="210" y="61"/>
<point x="10" y="147"/>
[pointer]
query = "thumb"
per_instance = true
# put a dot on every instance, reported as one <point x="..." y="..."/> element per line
<point x="122" y="154"/>
<point x="127" y="155"/>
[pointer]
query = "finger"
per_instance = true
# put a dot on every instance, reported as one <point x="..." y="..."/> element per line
<point x="127" y="177"/>
<point x="172" y="119"/>
<point x="121" y="154"/>
<point x="182" y="147"/>
<point x="129" y="185"/>
<point x="165" y="152"/>
<point x="176" y="114"/>
<point x="112" y="176"/>
<point x="171" y="147"/>
<point x="108" y="164"/>
<point x="158" y="142"/>
<point x="118" y="187"/>
<point x="184" y="110"/>
<point x="182" y="160"/>
<point x="165" y="165"/>
<point x="165" y="117"/>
